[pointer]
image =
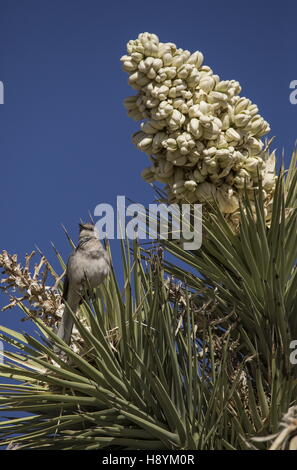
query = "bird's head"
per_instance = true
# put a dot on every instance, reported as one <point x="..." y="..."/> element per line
<point x="87" y="230"/>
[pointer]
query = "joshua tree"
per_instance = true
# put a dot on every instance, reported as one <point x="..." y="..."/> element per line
<point x="197" y="357"/>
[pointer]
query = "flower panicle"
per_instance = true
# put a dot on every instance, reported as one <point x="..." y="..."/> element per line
<point x="43" y="301"/>
<point x="204" y="139"/>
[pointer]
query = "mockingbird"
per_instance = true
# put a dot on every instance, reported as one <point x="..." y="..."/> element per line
<point x="87" y="267"/>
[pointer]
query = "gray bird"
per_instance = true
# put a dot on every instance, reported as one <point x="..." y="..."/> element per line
<point x="87" y="266"/>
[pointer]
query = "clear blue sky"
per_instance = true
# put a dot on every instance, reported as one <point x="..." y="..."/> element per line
<point x="65" y="139"/>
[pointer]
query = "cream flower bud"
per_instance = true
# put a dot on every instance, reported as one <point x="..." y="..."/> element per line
<point x="265" y="129"/>
<point x="176" y="120"/>
<point x="143" y="141"/>
<point x="135" y="114"/>
<point x="130" y="102"/>
<point x="231" y="135"/>
<point x="253" y="109"/>
<point x="134" y="77"/>
<point x="254" y="145"/>
<point x="145" y="65"/>
<point x="221" y="142"/>
<point x="206" y="69"/>
<point x="227" y="202"/>
<point x="205" y="108"/>
<point x="185" y="70"/>
<point x="162" y="92"/>
<point x="143" y="37"/>
<point x="157" y="64"/>
<point x="217" y="123"/>
<point x="152" y="126"/>
<point x="199" y="95"/>
<point x="205" y="120"/>
<point x="151" y="103"/>
<point x="162" y="111"/>
<point x="185" y="142"/>
<point x="212" y="166"/>
<point x="186" y="94"/>
<point x="166" y="47"/>
<point x="225" y="159"/>
<point x="129" y="65"/>
<point x="214" y="96"/>
<point x="196" y="59"/>
<point x="222" y="153"/>
<point x="125" y="57"/>
<point x="241" y="179"/>
<point x="184" y="109"/>
<point x="177" y="103"/>
<point x="135" y="46"/>
<point x="151" y="48"/>
<point x="210" y="151"/>
<point x="161" y="76"/>
<point x="167" y="59"/>
<point x="194" y="111"/>
<point x="256" y="124"/>
<point x="234" y="88"/>
<point x="177" y="60"/>
<point x="178" y="187"/>
<point x="170" y="72"/>
<point x="148" y="175"/>
<point x="194" y="128"/>
<point x="242" y="104"/>
<point x="137" y="57"/>
<point x="222" y="86"/>
<point x="190" y="185"/>
<point x="241" y="120"/>
<point x="225" y="119"/>
<point x="253" y="164"/>
<point x="207" y="83"/>
<point x="193" y="78"/>
<point x="170" y="144"/>
<point x="158" y="141"/>
<point x="194" y="156"/>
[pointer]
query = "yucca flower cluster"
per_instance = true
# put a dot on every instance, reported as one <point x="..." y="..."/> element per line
<point x="203" y="138"/>
<point x="36" y="297"/>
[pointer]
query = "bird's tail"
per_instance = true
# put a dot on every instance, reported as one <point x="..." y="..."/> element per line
<point x="66" y="325"/>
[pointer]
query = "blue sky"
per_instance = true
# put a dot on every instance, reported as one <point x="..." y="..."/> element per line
<point x="65" y="139"/>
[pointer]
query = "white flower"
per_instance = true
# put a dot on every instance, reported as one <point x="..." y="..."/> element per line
<point x="190" y="185"/>
<point x="227" y="201"/>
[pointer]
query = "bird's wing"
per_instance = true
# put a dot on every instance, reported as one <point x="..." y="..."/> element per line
<point x="65" y="287"/>
<point x="66" y="279"/>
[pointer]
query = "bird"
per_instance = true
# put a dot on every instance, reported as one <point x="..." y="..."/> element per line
<point x="87" y="266"/>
